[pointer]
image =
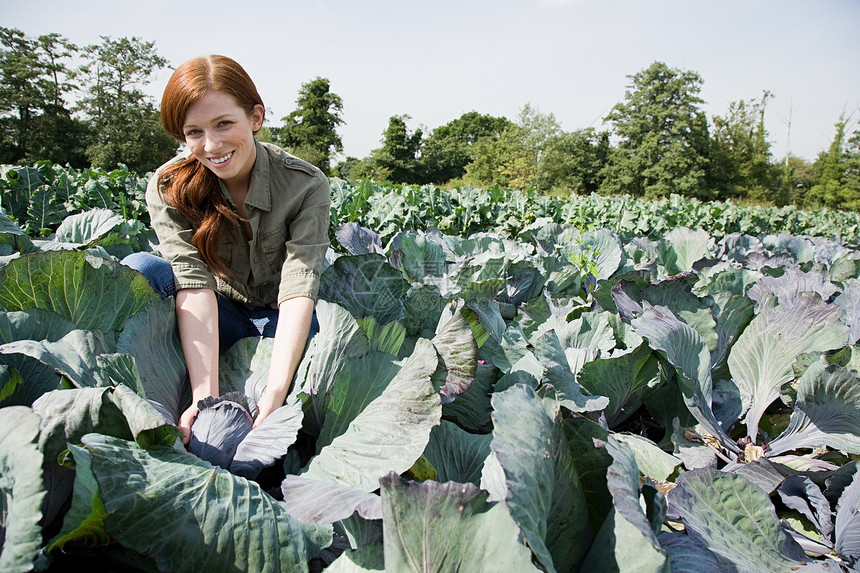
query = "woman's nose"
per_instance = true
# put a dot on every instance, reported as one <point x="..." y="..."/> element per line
<point x="212" y="142"/>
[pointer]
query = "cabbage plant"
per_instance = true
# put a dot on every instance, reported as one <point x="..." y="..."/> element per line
<point x="533" y="396"/>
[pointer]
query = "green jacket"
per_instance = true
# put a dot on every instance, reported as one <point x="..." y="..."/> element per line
<point x="288" y="207"/>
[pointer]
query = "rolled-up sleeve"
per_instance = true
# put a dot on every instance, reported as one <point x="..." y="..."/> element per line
<point x="307" y="244"/>
<point x="174" y="234"/>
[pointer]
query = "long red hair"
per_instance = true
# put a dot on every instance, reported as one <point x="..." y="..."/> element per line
<point x="188" y="185"/>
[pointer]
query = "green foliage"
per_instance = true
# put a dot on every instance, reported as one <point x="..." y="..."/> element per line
<point x="34" y="81"/>
<point x="838" y="185"/>
<point x="397" y="159"/>
<point x="38" y="198"/>
<point x="573" y="162"/>
<point x="663" y="136"/>
<point x="442" y="405"/>
<point x="310" y="130"/>
<point x="448" y="150"/>
<point x="740" y="153"/>
<point x="465" y="210"/>
<point x="535" y="153"/>
<point x="513" y="159"/>
<point x="124" y="117"/>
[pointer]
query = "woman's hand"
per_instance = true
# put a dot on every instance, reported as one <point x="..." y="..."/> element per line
<point x="269" y="402"/>
<point x="185" y="421"/>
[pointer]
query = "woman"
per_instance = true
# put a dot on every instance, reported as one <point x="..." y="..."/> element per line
<point x="242" y="229"/>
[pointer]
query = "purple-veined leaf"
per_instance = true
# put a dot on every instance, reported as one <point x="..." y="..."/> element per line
<point x="23" y="490"/>
<point x="801" y="249"/>
<point x="366" y="285"/>
<point x="685" y="349"/>
<point x="197" y="517"/>
<point x="417" y="256"/>
<point x="849" y="302"/>
<point x="764" y="473"/>
<point x="802" y="495"/>
<point x="688" y="555"/>
<point x="847" y="542"/>
<point x="458" y="354"/>
<point x="268" y="442"/>
<point x="762" y="358"/>
<point x="627" y="540"/>
<point x="390" y="433"/>
<point x="790" y="287"/>
<point x="735" y="520"/>
<point x="316" y="501"/>
<point x="358" y="240"/>
<point x="429" y="526"/>
<point x="542" y="482"/>
<point x="840" y="479"/>
<point x="826" y="411"/>
<point x="681" y="247"/>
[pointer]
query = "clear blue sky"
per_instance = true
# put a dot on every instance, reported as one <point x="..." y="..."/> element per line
<point x="437" y="60"/>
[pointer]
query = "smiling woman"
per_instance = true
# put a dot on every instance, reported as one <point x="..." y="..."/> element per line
<point x="242" y="229"/>
<point x="220" y="134"/>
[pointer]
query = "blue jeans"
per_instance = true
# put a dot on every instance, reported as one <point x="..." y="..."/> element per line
<point x="235" y="321"/>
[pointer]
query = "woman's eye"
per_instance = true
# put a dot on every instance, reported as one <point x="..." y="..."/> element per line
<point x="192" y="132"/>
<point x="224" y="123"/>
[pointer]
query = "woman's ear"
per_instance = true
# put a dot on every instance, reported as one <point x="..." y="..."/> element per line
<point x="257" y="116"/>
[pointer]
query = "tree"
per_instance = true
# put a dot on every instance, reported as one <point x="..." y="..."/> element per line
<point x="838" y="171"/>
<point x="397" y="159"/>
<point x="512" y="160"/>
<point x="527" y="141"/>
<point x="663" y="136"/>
<point x="34" y="80"/>
<point x="125" y="119"/>
<point x="448" y="150"/>
<point x="793" y="181"/>
<point x="535" y="153"/>
<point x="310" y="132"/>
<point x="574" y="162"/>
<point x="740" y="160"/>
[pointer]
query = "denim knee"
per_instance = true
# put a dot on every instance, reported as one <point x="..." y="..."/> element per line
<point x="155" y="269"/>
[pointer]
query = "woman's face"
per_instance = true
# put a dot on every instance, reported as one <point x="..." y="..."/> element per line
<point x="220" y="134"/>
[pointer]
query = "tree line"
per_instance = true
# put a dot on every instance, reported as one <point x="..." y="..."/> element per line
<point x="658" y="140"/>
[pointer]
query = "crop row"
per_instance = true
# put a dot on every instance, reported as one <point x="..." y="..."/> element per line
<point x="563" y="399"/>
<point x="38" y="198"/>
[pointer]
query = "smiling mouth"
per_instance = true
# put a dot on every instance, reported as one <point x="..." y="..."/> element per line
<point x="222" y="159"/>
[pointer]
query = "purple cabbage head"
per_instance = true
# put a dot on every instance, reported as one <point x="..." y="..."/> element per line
<point x="220" y="426"/>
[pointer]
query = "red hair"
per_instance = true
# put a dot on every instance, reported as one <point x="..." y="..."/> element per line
<point x="188" y="185"/>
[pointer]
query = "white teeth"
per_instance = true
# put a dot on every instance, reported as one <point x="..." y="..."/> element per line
<point x="221" y="159"/>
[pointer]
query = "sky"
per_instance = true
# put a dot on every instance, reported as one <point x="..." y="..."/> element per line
<point x="437" y="60"/>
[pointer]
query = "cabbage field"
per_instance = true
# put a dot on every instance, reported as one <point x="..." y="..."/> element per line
<point x="502" y="381"/>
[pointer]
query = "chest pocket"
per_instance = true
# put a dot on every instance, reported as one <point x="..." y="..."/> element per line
<point x="273" y="245"/>
<point x="226" y="249"/>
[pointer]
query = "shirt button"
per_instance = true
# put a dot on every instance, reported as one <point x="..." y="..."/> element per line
<point x="256" y="258"/>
